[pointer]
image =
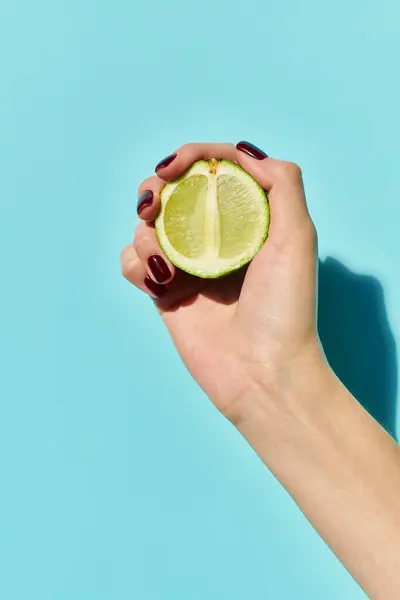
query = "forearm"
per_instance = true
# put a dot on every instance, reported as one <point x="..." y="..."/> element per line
<point x="341" y="468"/>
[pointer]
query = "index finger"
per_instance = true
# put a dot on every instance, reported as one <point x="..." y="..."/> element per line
<point x="177" y="163"/>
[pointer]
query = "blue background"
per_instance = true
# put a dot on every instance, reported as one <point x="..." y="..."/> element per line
<point x="118" y="478"/>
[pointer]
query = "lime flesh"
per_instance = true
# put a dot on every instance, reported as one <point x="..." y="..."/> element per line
<point x="213" y="219"/>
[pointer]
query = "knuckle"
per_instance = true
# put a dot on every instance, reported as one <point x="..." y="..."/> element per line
<point x="293" y="171"/>
<point x="147" y="184"/>
<point x="125" y="263"/>
<point x="124" y="253"/>
<point x="138" y="242"/>
<point x="141" y="240"/>
<point x="186" y="147"/>
<point x="139" y="231"/>
<point x="125" y="270"/>
<point x="290" y="171"/>
<point x="122" y="260"/>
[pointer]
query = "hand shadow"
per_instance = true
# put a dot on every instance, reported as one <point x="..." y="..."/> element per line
<point x="357" y="339"/>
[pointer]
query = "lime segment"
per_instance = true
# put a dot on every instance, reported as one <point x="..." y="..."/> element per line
<point x="185" y="216"/>
<point x="239" y="215"/>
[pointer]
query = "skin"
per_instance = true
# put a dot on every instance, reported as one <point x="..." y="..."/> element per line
<point x="250" y="340"/>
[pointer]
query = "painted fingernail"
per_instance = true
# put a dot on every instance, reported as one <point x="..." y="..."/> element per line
<point x="144" y="201"/>
<point x="159" y="268"/>
<point x="251" y="150"/>
<point x="165" y="162"/>
<point x="158" y="289"/>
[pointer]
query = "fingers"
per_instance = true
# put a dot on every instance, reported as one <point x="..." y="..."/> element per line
<point x="175" y="164"/>
<point x="284" y="183"/>
<point x="148" y="203"/>
<point x="148" y="250"/>
<point x="180" y="289"/>
<point x="144" y="264"/>
<point x="282" y="180"/>
<point x="134" y="271"/>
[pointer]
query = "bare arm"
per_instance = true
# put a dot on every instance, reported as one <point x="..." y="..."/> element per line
<point x="341" y="468"/>
<point x="251" y="343"/>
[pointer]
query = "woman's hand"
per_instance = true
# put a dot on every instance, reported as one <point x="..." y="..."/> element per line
<point x="253" y="328"/>
<point x="250" y="340"/>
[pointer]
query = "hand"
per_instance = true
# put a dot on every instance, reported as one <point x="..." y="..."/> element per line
<point x="256" y="326"/>
<point x="250" y="340"/>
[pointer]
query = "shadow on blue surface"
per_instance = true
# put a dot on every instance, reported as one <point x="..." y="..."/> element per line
<point x="357" y="339"/>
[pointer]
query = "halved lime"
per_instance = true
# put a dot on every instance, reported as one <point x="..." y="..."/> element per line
<point x="213" y="219"/>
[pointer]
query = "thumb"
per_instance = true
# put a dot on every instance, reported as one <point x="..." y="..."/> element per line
<point x="284" y="184"/>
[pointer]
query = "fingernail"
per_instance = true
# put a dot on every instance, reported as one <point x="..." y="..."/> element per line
<point x="144" y="201"/>
<point x="251" y="150"/>
<point x="159" y="268"/>
<point x="158" y="289"/>
<point x="165" y="162"/>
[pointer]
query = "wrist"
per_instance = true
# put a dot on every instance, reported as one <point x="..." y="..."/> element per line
<point x="287" y="406"/>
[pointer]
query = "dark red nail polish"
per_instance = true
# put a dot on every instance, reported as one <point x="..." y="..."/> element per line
<point x="159" y="268"/>
<point x="251" y="150"/>
<point x="144" y="201"/>
<point x="165" y="162"/>
<point x="158" y="289"/>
